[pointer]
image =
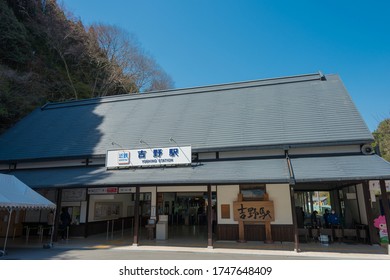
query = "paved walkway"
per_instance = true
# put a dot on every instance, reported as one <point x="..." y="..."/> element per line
<point x="183" y="244"/>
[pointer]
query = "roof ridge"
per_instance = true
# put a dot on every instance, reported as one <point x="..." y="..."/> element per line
<point x="191" y="90"/>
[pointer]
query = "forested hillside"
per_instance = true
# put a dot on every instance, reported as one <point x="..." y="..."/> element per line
<point x="48" y="55"/>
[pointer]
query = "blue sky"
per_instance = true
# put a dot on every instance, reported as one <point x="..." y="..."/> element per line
<point x="203" y="42"/>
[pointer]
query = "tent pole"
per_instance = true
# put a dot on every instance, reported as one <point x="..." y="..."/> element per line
<point x="52" y="228"/>
<point x="6" y="234"/>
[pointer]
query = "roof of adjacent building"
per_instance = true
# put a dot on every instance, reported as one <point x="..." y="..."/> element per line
<point x="301" y="110"/>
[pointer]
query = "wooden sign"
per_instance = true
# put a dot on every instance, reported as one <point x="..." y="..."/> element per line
<point x="254" y="211"/>
<point x="225" y="211"/>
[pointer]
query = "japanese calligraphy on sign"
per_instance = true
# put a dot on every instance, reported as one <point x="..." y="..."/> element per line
<point x="149" y="157"/>
<point x="254" y="211"/>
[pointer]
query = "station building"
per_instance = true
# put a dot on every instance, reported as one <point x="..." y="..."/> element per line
<point x="204" y="157"/>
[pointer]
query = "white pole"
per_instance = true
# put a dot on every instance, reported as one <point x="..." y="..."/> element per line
<point x="6" y="235"/>
<point x="52" y="227"/>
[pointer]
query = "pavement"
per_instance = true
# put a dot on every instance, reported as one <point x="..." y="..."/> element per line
<point x="120" y="245"/>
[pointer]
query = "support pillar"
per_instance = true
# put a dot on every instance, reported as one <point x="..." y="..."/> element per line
<point x="311" y="202"/>
<point x="307" y="210"/>
<point x="136" y="217"/>
<point x="209" y="218"/>
<point x="295" y="224"/>
<point x="57" y="214"/>
<point x="241" y="225"/>
<point x="370" y="217"/>
<point x="86" y="232"/>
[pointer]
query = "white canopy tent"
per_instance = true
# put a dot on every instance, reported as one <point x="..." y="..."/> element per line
<point x="14" y="194"/>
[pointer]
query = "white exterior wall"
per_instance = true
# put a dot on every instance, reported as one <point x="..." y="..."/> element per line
<point x="4" y="166"/>
<point x="226" y="195"/>
<point x="251" y="153"/>
<point x="278" y="193"/>
<point x="325" y="150"/>
<point x="280" y="152"/>
<point x="62" y="163"/>
<point x="50" y="164"/>
<point x="202" y="156"/>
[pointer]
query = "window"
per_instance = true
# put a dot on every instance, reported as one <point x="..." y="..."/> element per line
<point x="252" y="192"/>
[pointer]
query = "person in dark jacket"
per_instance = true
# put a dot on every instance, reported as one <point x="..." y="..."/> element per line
<point x="334" y="219"/>
<point x="65" y="220"/>
<point x="315" y="222"/>
<point x="326" y="218"/>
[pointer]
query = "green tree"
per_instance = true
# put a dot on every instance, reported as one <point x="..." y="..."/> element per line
<point x="14" y="45"/>
<point x="382" y="138"/>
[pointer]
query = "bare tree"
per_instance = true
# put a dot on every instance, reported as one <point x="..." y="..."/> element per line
<point x="108" y="77"/>
<point x="82" y="57"/>
<point x="124" y="51"/>
<point x="61" y="38"/>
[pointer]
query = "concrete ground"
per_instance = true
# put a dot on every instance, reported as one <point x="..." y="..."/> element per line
<point x="118" y="245"/>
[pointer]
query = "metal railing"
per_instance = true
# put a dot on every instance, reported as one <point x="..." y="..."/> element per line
<point x="111" y="227"/>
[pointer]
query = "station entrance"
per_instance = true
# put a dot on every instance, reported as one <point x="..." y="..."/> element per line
<point x="187" y="213"/>
<point x="184" y="208"/>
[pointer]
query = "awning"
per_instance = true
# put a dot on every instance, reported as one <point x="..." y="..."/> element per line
<point x="16" y="194"/>
<point x="340" y="168"/>
<point x="217" y="172"/>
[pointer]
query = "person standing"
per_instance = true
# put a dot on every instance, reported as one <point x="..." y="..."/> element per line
<point x="300" y="216"/>
<point x="64" y="222"/>
<point x="334" y="218"/>
<point x="326" y="218"/>
<point x="314" y="220"/>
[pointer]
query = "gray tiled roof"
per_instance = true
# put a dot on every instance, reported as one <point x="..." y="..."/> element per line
<point x="295" y="110"/>
<point x="218" y="172"/>
<point x="340" y="168"/>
